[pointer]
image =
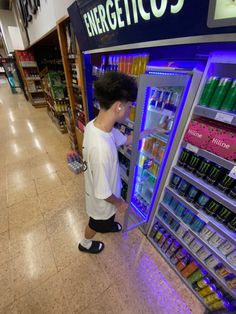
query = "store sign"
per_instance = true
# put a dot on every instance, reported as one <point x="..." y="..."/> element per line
<point x="106" y="23"/>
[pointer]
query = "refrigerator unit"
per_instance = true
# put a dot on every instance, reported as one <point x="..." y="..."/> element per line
<point x="165" y="97"/>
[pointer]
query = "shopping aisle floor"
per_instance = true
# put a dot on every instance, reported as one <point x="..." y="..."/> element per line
<point x="41" y="221"/>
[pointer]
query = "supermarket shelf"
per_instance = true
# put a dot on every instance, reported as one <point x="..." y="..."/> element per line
<point x="196" y="235"/>
<point x="217" y="115"/>
<point x="231" y="236"/>
<point x="227" y="164"/>
<point x="206" y="188"/>
<point x="163" y="112"/>
<point x="72" y="56"/>
<point x="33" y="78"/>
<point x="210" y="271"/>
<point x="149" y="155"/>
<point x="176" y="271"/>
<point x="28" y="64"/>
<point x="123" y="152"/>
<point x="123" y="175"/>
<point x="37" y="91"/>
<point x="128" y="123"/>
<point x="161" y="137"/>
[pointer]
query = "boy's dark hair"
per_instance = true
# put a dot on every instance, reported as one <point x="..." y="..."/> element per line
<point x="113" y="86"/>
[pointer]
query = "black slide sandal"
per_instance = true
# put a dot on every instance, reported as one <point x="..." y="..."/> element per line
<point x="117" y="227"/>
<point x="94" y="248"/>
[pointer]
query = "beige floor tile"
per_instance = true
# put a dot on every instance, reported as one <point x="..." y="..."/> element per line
<point x="21" y="236"/>
<point x="47" y="183"/>
<point x="10" y="309"/>
<point x="4" y="223"/>
<point x="30" y="269"/>
<point x="66" y="175"/>
<point x="18" y="178"/>
<point x="25" y="212"/>
<point x="49" y="298"/>
<point x="74" y="189"/>
<point x="6" y="292"/>
<point x="79" y="290"/>
<point x="4" y="248"/>
<point x="43" y="170"/>
<point x="39" y="160"/>
<point x="54" y="199"/>
<point x="20" y="192"/>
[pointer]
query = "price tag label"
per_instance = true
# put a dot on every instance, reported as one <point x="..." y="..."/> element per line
<point x="223" y="117"/>
<point x="192" y="148"/>
<point x="203" y="218"/>
<point x="232" y="173"/>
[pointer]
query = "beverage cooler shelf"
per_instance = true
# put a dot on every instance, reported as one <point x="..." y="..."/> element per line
<point x="227" y="164"/>
<point x="206" y="188"/>
<point x="123" y="175"/>
<point x="149" y="155"/>
<point x="231" y="236"/>
<point x="128" y="123"/>
<point x="217" y="115"/>
<point x="123" y="152"/>
<point x="204" y="243"/>
<point x="178" y="273"/>
<point x="210" y="271"/>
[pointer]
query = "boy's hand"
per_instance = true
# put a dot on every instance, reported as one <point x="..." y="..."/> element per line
<point x="122" y="205"/>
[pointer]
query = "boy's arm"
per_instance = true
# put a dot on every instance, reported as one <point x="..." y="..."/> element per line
<point x="143" y="134"/>
<point x="119" y="203"/>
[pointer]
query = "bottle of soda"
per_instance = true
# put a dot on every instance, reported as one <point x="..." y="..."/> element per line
<point x="203" y="168"/>
<point x="212" y="207"/>
<point x="193" y="163"/>
<point x="224" y="215"/>
<point x="209" y="90"/>
<point x="183" y="158"/>
<point x="229" y="103"/>
<point x="214" y="174"/>
<point x="220" y="92"/>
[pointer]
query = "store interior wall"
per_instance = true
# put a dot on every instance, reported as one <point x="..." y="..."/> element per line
<point x="7" y="19"/>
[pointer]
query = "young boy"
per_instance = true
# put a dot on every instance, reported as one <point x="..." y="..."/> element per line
<point x="115" y="92"/>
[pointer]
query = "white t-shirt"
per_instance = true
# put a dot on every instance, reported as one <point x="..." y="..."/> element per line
<point x="102" y="178"/>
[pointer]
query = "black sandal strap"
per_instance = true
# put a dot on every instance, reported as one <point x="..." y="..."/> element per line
<point x="96" y="247"/>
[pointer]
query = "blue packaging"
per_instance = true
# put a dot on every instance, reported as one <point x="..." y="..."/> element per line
<point x="197" y="225"/>
<point x="179" y="210"/>
<point x="167" y="198"/>
<point x="174" y="225"/>
<point x="168" y="219"/>
<point x="173" y="204"/>
<point x="161" y="212"/>
<point x="188" y="217"/>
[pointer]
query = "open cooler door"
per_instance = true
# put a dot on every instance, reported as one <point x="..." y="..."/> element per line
<point x="160" y="102"/>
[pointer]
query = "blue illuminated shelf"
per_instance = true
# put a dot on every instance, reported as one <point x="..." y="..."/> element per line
<point x="213" y="250"/>
<point x="206" y="188"/>
<point x="209" y="270"/>
<point x="149" y="155"/>
<point x="161" y="137"/>
<point x="163" y="112"/>
<point x="229" y="235"/>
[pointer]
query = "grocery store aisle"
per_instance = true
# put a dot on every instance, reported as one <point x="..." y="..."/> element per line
<point x="41" y="221"/>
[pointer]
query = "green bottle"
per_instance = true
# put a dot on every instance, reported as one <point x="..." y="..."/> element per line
<point x="229" y="103"/>
<point x="209" y="90"/>
<point x="220" y="92"/>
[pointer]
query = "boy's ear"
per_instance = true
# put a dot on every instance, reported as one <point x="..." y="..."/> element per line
<point x="117" y="106"/>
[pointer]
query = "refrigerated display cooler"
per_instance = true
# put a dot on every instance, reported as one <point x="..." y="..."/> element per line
<point x="164" y="102"/>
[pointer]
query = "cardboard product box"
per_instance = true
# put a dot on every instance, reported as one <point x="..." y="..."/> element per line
<point x="54" y="79"/>
<point x="198" y="133"/>
<point x="58" y="92"/>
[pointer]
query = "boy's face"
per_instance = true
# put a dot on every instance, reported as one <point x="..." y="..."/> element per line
<point x="123" y="110"/>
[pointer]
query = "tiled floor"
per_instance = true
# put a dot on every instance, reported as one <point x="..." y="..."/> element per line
<point x="41" y="221"/>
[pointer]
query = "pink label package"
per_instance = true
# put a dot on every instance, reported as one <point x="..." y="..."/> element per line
<point x="213" y="136"/>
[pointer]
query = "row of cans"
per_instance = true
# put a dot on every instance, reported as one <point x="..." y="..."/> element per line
<point x="213" y="295"/>
<point x="219" y="93"/>
<point x="203" y="202"/>
<point x="208" y="171"/>
<point x="165" y="98"/>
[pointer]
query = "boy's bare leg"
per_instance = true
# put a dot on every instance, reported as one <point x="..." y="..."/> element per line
<point x="89" y="233"/>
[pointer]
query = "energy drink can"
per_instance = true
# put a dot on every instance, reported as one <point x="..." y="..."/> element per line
<point x="201" y="201"/>
<point x="226" y="183"/>
<point x="188" y="238"/>
<point x="222" y="272"/>
<point x="174" y="225"/>
<point x="224" y="215"/>
<point x="173" y="248"/>
<point x="209" y="90"/>
<point x="214" y="174"/>
<point x="212" y="261"/>
<point x="229" y="103"/>
<point x="179" y="210"/>
<point x="200" y="284"/>
<point x="216" y="240"/>
<point x="193" y="163"/>
<point x="203" y="253"/>
<point x="175" y="180"/>
<point x="183" y="262"/>
<point x="192" y="194"/>
<point x="214" y="297"/>
<point x="195" y="246"/>
<point x="181" y="231"/>
<point x="226" y="248"/>
<point x="197" y="275"/>
<point x="167" y="198"/>
<point x="232" y="224"/>
<point x="231" y="283"/>
<point x="183" y="187"/>
<point x="163" y="239"/>
<point x="189" y="269"/>
<point x="161" y="212"/>
<point x="203" y="168"/>
<point x="183" y="158"/>
<point x="173" y="203"/>
<point x="154" y="230"/>
<point x="206" y="233"/>
<point x="207" y="290"/>
<point x="232" y="192"/>
<point x="167" y="244"/>
<point x="188" y="217"/>
<point x="222" y="305"/>
<point x="159" y="234"/>
<point x="212" y="207"/>
<point x="232" y="258"/>
<point x="168" y="219"/>
<point x="197" y="225"/>
<point x="220" y="92"/>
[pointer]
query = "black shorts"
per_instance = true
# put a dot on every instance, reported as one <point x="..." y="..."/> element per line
<point x="102" y="226"/>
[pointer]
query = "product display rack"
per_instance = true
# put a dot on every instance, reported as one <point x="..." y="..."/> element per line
<point x="32" y="84"/>
<point x="223" y="66"/>
<point x="77" y="116"/>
